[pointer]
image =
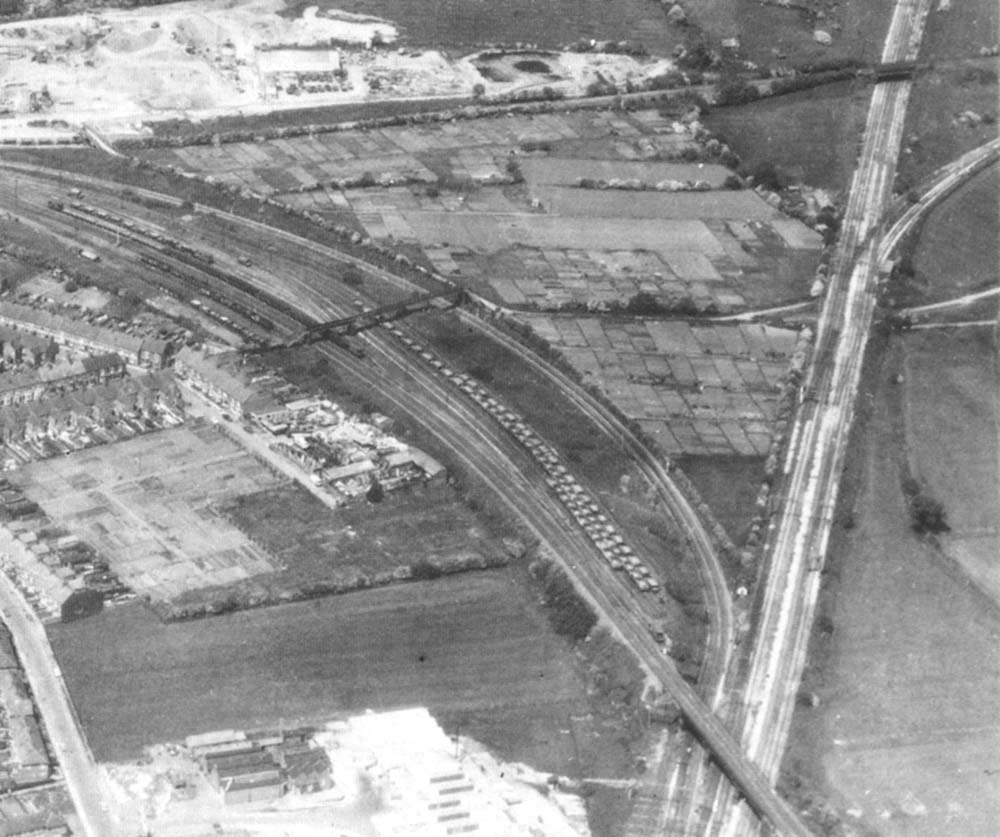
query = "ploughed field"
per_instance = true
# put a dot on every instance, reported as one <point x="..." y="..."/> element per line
<point x="469" y="647"/>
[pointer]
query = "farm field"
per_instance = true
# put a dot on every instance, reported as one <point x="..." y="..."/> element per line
<point x="460" y="25"/>
<point x="471" y="648"/>
<point x="810" y="136"/>
<point x="906" y="733"/>
<point x="959" y="247"/>
<point x="695" y="389"/>
<point x="148" y="505"/>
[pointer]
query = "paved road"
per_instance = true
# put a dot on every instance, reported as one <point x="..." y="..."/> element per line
<point x="83" y="779"/>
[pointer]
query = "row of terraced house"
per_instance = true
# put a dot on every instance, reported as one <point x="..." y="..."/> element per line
<point x="53" y="380"/>
<point x="101" y="402"/>
<point x="24" y="759"/>
<point x="80" y="335"/>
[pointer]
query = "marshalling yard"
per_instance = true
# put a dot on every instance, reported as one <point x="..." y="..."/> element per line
<point x="348" y="395"/>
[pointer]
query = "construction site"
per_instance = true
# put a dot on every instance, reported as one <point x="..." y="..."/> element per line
<point x="114" y="70"/>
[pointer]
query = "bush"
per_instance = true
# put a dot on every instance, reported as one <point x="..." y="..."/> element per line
<point x="903" y="270"/>
<point x="424" y="570"/>
<point x="766" y="174"/>
<point x="481" y="373"/>
<point x="375" y="494"/>
<point x="352" y="277"/>
<point x="736" y="92"/>
<point x="697" y="56"/>
<point x="567" y="612"/>
<point x="644" y="304"/>
<point x="927" y="514"/>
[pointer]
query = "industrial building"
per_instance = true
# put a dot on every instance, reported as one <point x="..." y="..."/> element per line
<point x="261" y="766"/>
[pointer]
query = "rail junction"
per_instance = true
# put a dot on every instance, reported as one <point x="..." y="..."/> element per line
<point x="307" y="313"/>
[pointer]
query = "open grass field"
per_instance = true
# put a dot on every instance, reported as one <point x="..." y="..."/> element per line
<point x="474" y="649"/>
<point x="952" y="414"/>
<point x="149" y="506"/>
<point x="958" y="30"/>
<point x="959" y="246"/>
<point x="780" y="33"/>
<point x="811" y="136"/>
<point x="729" y="484"/>
<point x="904" y="656"/>
<point x="414" y="525"/>
<point x="933" y="134"/>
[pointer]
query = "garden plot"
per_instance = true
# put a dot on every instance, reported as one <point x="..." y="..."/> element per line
<point x="471" y="147"/>
<point x="696" y="389"/>
<point x="148" y="506"/>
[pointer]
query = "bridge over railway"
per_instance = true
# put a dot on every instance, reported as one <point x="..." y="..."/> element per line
<point x="371" y="317"/>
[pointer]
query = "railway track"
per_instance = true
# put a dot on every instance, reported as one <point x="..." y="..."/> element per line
<point x="815" y="457"/>
<point x="701" y="719"/>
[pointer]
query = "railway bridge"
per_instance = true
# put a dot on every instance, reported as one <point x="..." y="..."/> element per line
<point x="369" y="318"/>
